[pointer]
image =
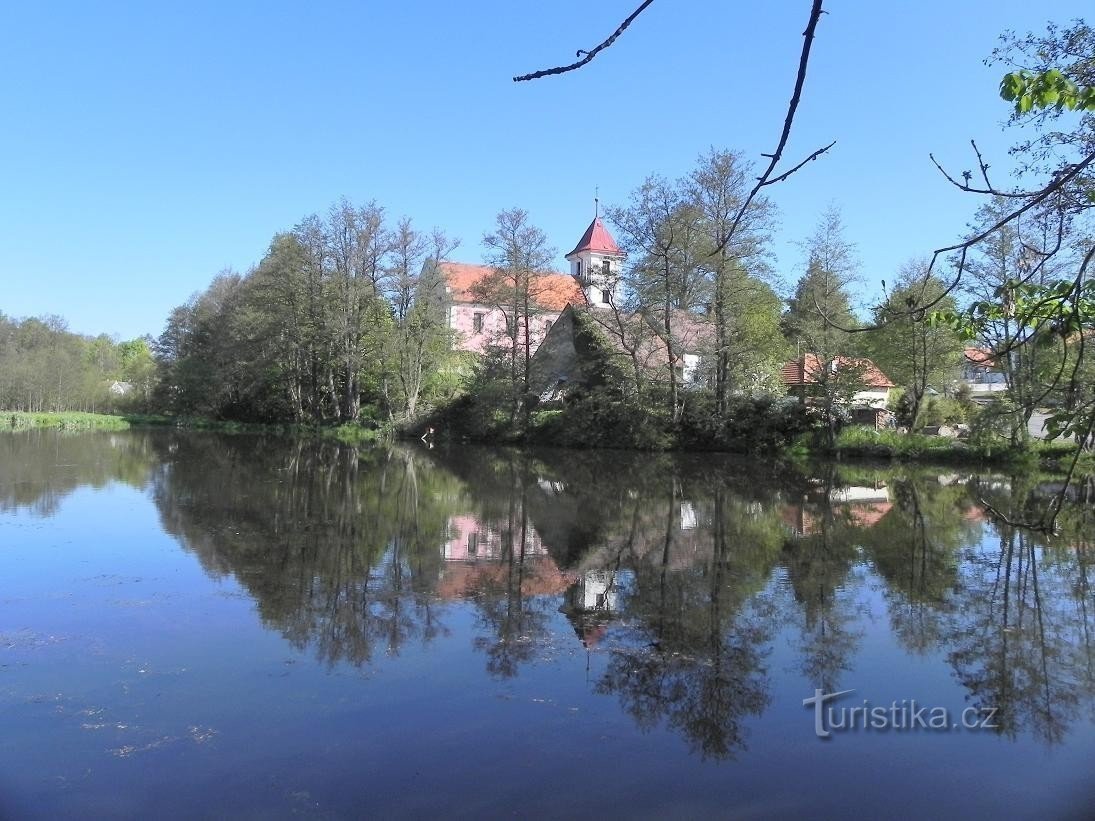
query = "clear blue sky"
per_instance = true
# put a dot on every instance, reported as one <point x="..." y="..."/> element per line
<point x="146" y="146"/>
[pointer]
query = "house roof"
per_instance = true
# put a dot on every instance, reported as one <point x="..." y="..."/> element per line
<point x="463" y="579"/>
<point x="596" y="239"/>
<point x="804" y="371"/>
<point x="692" y="334"/>
<point x="982" y="357"/>
<point x="550" y="291"/>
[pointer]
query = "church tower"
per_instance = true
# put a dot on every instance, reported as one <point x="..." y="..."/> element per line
<point x="597" y="263"/>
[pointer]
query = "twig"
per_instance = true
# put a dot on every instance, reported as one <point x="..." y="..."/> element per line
<point x="1036" y="198"/>
<point x="792" y="107"/>
<point x="589" y="55"/>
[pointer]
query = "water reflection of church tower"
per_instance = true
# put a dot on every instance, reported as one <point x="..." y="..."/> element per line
<point x="591" y="603"/>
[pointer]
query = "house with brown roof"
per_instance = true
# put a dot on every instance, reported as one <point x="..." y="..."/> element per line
<point x="982" y="374"/>
<point x="806" y="375"/>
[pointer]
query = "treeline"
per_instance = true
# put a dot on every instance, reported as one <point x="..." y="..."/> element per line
<point x="46" y="367"/>
<point x="341" y="322"/>
<point x="692" y="343"/>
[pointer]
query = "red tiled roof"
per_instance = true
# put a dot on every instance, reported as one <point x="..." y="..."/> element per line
<point x="982" y="357"/>
<point x="869" y="514"/>
<point x="463" y="579"/>
<point x="596" y="239"/>
<point x="551" y="292"/>
<point x="804" y="371"/>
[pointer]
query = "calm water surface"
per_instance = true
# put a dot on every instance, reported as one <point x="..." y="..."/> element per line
<point x="195" y="625"/>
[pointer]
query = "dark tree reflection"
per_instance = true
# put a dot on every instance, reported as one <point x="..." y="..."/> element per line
<point x="699" y="630"/>
<point x="819" y="564"/>
<point x="680" y="571"/>
<point x="40" y="468"/>
<point x="340" y="549"/>
<point x="916" y="548"/>
<point x="1022" y="627"/>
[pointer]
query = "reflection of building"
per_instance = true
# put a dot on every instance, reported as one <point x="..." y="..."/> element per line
<point x="860" y="506"/>
<point x="688" y="516"/>
<point x="478" y="557"/>
<point x="470" y="539"/>
<point x="591" y="603"/>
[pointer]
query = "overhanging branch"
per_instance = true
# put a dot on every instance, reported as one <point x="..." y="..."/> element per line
<point x="589" y="55"/>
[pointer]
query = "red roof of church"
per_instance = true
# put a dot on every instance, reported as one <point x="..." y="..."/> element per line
<point x="804" y="371"/>
<point x="596" y="239"/>
<point x="551" y="292"/>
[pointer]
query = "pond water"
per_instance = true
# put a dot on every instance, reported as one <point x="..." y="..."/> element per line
<point x="198" y="625"/>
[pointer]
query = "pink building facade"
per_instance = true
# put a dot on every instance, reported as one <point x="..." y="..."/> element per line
<point x="593" y="280"/>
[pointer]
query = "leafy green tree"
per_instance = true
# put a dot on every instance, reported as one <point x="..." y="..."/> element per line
<point x="659" y="230"/>
<point x="518" y="253"/>
<point x="138" y="368"/>
<point x="819" y="318"/>
<point x="915" y="354"/>
<point x="420" y="345"/>
<point x="748" y="348"/>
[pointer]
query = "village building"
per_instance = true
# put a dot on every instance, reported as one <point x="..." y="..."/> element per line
<point x="803" y="377"/>
<point x="869" y="387"/>
<point x="585" y="341"/>
<point x="982" y="375"/>
<point x="591" y="291"/>
<point x="478" y="324"/>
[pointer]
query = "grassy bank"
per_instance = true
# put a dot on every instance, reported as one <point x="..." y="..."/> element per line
<point x="74" y="421"/>
<point x="67" y="420"/>
<point x="865" y="443"/>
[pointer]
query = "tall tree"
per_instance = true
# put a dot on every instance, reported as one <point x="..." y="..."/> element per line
<point x="819" y="315"/>
<point x="660" y="232"/>
<point x="519" y="254"/>
<point x="913" y="353"/>
<point x="1011" y="256"/>
<point x="743" y="304"/>
<point x="422" y="336"/>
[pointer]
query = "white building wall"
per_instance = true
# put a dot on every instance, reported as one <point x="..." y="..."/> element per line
<point x="592" y="271"/>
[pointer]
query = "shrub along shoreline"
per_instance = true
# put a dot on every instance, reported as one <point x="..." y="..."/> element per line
<point x="77" y="421"/>
<point x="550" y="428"/>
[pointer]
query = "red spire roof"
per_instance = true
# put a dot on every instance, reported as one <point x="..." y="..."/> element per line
<point x="596" y="239"/>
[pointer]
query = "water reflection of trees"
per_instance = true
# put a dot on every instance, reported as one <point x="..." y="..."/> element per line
<point x="1022" y="630"/>
<point x="40" y="468"/>
<point x="704" y="562"/>
<point x="692" y="653"/>
<point x="681" y="570"/>
<point x="338" y="548"/>
<point x="916" y="549"/>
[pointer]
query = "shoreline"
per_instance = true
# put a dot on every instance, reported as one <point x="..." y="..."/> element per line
<point x="913" y="449"/>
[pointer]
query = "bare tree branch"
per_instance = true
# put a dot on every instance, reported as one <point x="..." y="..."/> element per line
<point x="988" y="189"/>
<point x="589" y="55"/>
<point x="1062" y="178"/>
<point x="792" y="107"/>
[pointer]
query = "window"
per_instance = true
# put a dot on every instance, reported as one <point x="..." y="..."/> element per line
<point x="605" y="296"/>
<point x="547" y="325"/>
<point x="606" y="267"/>
<point x="477" y="323"/>
<point x="579" y="264"/>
